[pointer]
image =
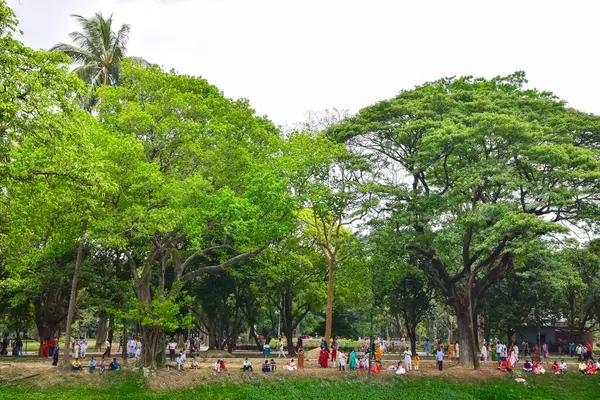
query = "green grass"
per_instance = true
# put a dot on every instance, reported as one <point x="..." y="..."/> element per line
<point x="132" y="386"/>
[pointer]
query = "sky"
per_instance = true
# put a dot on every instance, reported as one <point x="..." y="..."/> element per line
<point x="289" y="57"/>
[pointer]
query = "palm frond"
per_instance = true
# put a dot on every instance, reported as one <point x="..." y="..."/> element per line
<point x="77" y="54"/>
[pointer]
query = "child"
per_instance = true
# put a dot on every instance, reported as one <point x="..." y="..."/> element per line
<point x="102" y="366"/>
<point x="281" y="352"/>
<point x="563" y="367"/>
<point x="217" y="366"/>
<point x="527" y="367"/>
<point x="179" y="361"/>
<point x="247" y="366"/>
<point x="342" y="359"/>
<point x="440" y="358"/>
<point x="582" y="367"/>
<point x="273" y="365"/>
<point x="591" y="369"/>
<point x="76" y="365"/>
<point x="92" y="365"/>
<point x="555" y="368"/>
<point x="417" y="362"/>
<point x="222" y="367"/>
<point x="194" y="364"/>
<point x="266" y="367"/>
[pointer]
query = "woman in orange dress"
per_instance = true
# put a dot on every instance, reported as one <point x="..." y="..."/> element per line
<point x="451" y="351"/>
<point x="300" y="358"/>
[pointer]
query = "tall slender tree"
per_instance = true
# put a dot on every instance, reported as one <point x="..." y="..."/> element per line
<point x="97" y="49"/>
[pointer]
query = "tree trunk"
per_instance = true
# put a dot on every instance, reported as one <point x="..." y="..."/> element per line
<point x="153" y="346"/>
<point x="124" y="354"/>
<point x="256" y="339"/>
<point x="413" y="340"/>
<point x="212" y="334"/>
<point x="101" y="332"/>
<point x="111" y="333"/>
<point x="468" y="352"/>
<point x="330" y="292"/>
<point x="73" y="298"/>
<point x="288" y="322"/>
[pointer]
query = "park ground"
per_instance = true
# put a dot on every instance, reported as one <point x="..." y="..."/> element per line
<point x="309" y="383"/>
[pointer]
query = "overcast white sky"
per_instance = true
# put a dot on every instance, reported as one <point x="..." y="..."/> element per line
<point x="289" y="57"/>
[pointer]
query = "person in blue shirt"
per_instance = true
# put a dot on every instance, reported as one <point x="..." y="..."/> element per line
<point x="440" y="358"/>
<point x="266" y="367"/>
<point x="427" y="347"/>
<point x="114" y="365"/>
<point x="92" y="365"/>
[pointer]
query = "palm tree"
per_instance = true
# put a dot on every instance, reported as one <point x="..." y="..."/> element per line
<point x="97" y="49"/>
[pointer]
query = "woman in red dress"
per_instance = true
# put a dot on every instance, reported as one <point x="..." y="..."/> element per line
<point x="323" y="357"/>
<point x="45" y="348"/>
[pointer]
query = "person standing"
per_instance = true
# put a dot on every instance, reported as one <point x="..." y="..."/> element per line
<point x="83" y="345"/>
<point x="300" y="358"/>
<point x="130" y="348"/>
<point x="342" y="360"/>
<point x="55" y="356"/>
<point x="334" y="350"/>
<point x="281" y="352"/>
<point x="457" y="350"/>
<point x="299" y="347"/>
<point x="408" y="359"/>
<point x="484" y="353"/>
<point x="323" y="357"/>
<point x="451" y="351"/>
<point x="440" y="359"/>
<point x="352" y="360"/>
<point x="172" y="347"/>
<point x="579" y="352"/>
<point x="572" y="349"/>
<point x="106" y="349"/>
<point x="427" y="347"/>
<point x="590" y="352"/>
<point x="19" y="346"/>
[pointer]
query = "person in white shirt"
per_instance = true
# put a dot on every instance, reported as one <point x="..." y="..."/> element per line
<point x="457" y="350"/>
<point x="172" y="346"/>
<point x="281" y="352"/>
<point x="562" y="367"/>
<point x="499" y="353"/>
<point x="400" y="369"/>
<point x="484" y="353"/>
<point x="408" y="359"/>
<point x="291" y="366"/>
<point x="216" y="366"/>
<point x="342" y="359"/>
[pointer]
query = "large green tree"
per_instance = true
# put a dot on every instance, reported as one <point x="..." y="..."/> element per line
<point x="196" y="188"/>
<point x="473" y="172"/>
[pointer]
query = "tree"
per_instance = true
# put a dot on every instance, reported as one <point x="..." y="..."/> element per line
<point x="474" y="171"/>
<point x="328" y="181"/>
<point x="98" y="50"/>
<point x="49" y="171"/>
<point x="196" y="192"/>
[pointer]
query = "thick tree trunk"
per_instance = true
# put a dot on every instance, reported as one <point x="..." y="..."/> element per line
<point x="73" y="298"/>
<point x="413" y="341"/>
<point x="111" y="333"/>
<point x="468" y="348"/>
<point x="101" y="331"/>
<point x="212" y="334"/>
<point x="330" y="293"/>
<point x="153" y="346"/>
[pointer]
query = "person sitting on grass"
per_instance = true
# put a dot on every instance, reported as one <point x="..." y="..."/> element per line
<point x="273" y="365"/>
<point x="114" y="365"/>
<point x="266" y="367"/>
<point x="291" y="366"/>
<point x="194" y="363"/>
<point x="376" y="367"/>
<point x="92" y="365"/>
<point x="527" y="367"/>
<point x="247" y="366"/>
<point x="222" y="367"/>
<point x="563" y="367"/>
<point x="76" y="365"/>
<point x="102" y="366"/>
<point x="505" y="366"/>
<point x="555" y="368"/>
<point x="591" y="369"/>
<point x="217" y="366"/>
<point x="582" y="367"/>
<point x="400" y="369"/>
<point x="538" y="369"/>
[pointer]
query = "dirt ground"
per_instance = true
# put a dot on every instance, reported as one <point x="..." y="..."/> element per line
<point x="169" y="378"/>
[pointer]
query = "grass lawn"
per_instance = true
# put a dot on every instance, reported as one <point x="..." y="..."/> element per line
<point x="130" y="385"/>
